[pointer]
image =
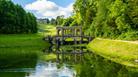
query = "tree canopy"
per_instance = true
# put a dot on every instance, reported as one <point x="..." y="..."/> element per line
<point x="108" y="18"/>
<point x="14" y="19"/>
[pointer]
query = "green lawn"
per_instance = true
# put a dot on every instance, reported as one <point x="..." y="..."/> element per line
<point x="21" y="40"/>
<point x="15" y="48"/>
<point x="47" y="29"/>
<point x="123" y="52"/>
<point x="19" y="48"/>
<point x="25" y="42"/>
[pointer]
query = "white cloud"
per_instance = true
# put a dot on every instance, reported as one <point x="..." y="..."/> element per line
<point x="49" y="9"/>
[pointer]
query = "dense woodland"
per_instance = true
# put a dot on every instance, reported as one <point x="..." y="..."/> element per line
<point x="108" y="18"/>
<point x="14" y="19"/>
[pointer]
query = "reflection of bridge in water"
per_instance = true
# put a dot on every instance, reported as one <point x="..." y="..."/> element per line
<point x="70" y="53"/>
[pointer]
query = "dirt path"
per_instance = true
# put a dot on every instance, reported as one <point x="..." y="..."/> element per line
<point x="136" y="42"/>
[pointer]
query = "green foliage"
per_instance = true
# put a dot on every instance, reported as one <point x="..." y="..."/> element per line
<point x="74" y="23"/>
<point x="129" y="35"/>
<point x="68" y="21"/>
<point x="59" y="20"/>
<point x="108" y="18"/>
<point x="14" y="19"/>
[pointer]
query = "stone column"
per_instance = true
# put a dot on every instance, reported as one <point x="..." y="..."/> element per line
<point x="81" y="36"/>
<point x="71" y="32"/>
<point x="75" y="56"/>
<point x="58" y="32"/>
<point x="75" y="41"/>
<point x="81" y="31"/>
<point x="58" y="59"/>
<point x="66" y="31"/>
<point x="81" y="52"/>
<point x="63" y="55"/>
<point x="62" y="34"/>
<point x="74" y="32"/>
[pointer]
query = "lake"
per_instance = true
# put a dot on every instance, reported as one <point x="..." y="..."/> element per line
<point x="71" y="61"/>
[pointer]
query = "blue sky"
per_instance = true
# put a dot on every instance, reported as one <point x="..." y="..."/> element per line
<point x="47" y="8"/>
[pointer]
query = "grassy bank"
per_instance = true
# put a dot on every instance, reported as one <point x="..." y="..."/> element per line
<point x="18" y="48"/>
<point x="21" y="50"/>
<point x="47" y="29"/>
<point x="123" y="52"/>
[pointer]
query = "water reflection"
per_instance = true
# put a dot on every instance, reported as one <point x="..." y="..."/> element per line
<point x="86" y="64"/>
<point x="67" y="54"/>
<point x="97" y="66"/>
<point x="42" y="69"/>
<point x="48" y="69"/>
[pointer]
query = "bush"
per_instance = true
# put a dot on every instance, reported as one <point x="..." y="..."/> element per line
<point x="129" y="36"/>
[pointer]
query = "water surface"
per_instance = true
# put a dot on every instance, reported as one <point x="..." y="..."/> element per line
<point x="71" y="61"/>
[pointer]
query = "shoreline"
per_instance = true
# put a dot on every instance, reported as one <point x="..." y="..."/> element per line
<point x="119" y="51"/>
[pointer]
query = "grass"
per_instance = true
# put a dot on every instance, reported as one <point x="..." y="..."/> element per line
<point x="20" y="49"/>
<point x="17" y="48"/>
<point x="47" y="29"/>
<point x="21" y="40"/>
<point x="122" y="52"/>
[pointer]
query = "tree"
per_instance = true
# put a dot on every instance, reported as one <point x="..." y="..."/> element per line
<point x="68" y="21"/>
<point x="53" y="21"/>
<point x="59" y="20"/>
<point x="14" y="19"/>
<point x="108" y="18"/>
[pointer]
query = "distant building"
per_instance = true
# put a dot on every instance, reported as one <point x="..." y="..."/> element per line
<point x="43" y="21"/>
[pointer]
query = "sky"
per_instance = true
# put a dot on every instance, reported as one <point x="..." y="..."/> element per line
<point x="47" y="8"/>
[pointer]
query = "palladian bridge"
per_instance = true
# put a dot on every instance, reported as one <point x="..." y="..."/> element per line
<point x="73" y="33"/>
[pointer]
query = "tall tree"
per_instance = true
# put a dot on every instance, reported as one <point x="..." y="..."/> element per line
<point x="108" y="18"/>
<point x="14" y="19"/>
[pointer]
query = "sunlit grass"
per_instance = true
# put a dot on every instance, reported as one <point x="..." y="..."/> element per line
<point x="47" y="29"/>
<point x="119" y="51"/>
<point x="16" y="48"/>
